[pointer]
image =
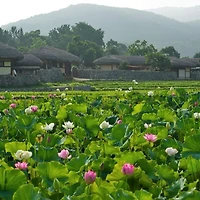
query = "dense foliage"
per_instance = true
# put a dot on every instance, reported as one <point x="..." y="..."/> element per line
<point x="127" y="145"/>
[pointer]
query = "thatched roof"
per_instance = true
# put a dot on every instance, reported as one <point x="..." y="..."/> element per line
<point x="8" y="52"/>
<point x="29" y="60"/>
<point x="195" y="61"/>
<point x="54" y="54"/>
<point x="116" y="59"/>
<point x="181" y="63"/>
<point x="107" y="60"/>
<point x="133" y="60"/>
<point x="26" y="67"/>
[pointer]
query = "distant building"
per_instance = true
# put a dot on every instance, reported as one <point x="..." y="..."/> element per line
<point x="53" y="57"/>
<point x="113" y="62"/>
<point x="8" y="56"/>
<point x="29" y="64"/>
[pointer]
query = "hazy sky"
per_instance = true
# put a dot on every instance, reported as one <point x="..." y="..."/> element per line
<point x="14" y="10"/>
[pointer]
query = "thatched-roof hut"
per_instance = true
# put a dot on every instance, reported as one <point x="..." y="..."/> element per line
<point x="8" y="56"/>
<point x="54" y="57"/>
<point x="182" y="66"/>
<point x="112" y="62"/>
<point x="29" y="63"/>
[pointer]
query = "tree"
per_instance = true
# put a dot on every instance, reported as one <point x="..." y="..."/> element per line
<point x="140" y="48"/>
<point x="88" y="51"/>
<point x="158" y="61"/>
<point x="37" y="43"/>
<point x="30" y="40"/>
<point x="170" y="51"/>
<point x="88" y="33"/>
<point x="61" y="36"/>
<point x="115" y="48"/>
<point x="197" y="55"/>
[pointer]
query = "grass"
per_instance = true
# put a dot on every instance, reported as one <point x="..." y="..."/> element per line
<point x="111" y="85"/>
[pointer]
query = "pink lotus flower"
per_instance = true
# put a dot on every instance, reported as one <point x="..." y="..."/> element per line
<point x="34" y="108"/>
<point x="33" y="97"/>
<point x="119" y="121"/>
<point x="21" y="165"/>
<point x="90" y="177"/>
<point x="64" y="154"/>
<point x="13" y="105"/>
<point x="69" y="131"/>
<point x="150" y="137"/>
<point x="128" y="169"/>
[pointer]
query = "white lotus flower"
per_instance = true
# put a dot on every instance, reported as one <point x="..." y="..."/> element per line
<point x="105" y="125"/>
<point x="135" y="82"/>
<point x="28" y="110"/>
<point x="48" y="127"/>
<point x="127" y="91"/>
<point x="150" y="93"/>
<point x="196" y="115"/>
<point x="58" y="90"/>
<point x="63" y="95"/>
<point x="171" y="151"/>
<point x="23" y="155"/>
<point x="68" y="125"/>
<point x="147" y="125"/>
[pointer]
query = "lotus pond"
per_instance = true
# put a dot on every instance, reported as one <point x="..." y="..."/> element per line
<point x="122" y="145"/>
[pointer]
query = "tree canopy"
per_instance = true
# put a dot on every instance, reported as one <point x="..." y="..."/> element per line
<point x="158" y="61"/>
<point x="170" y="51"/>
<point x="140" y="48"/>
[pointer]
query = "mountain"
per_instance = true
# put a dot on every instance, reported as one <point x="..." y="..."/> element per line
<point x="124" y="25"/>
<point x="180" y="14"/>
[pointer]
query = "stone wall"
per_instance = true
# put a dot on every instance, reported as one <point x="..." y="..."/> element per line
<point x="28" y="79"/>
<point x="124" y="75"/>
<point x="195" y="75"/>
<point x="50" y="75"/>
<point x="18" y="81"/>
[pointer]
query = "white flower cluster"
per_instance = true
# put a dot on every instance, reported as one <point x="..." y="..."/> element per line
<point x="48" y="127"/>
<point x="105" y="125"/>
<point x="68" y="127"/>
<point x="196" y="115"/>
<point x="171" y="151"/>
<point x="135" y="82"/>
<point x="23" y="155"/>
<point x="147" y="125"/>
<point x="150" y="93"/>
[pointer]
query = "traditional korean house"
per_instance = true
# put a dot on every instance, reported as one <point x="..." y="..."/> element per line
<point x="54" y="57"/>
<point x="113" y="62"/>
<point x="8" y="56"/>
<point x="182" y="67"/>
<point x="29" y="64"/>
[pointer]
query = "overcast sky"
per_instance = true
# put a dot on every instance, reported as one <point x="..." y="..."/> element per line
<point x="14" y="10"/>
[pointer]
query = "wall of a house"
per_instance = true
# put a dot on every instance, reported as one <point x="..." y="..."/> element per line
<point x="108" y="67"/>
<point x="125" y="75"/>
<point x="5" y="70"/>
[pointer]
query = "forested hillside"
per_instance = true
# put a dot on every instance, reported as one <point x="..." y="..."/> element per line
<point x="123" y="25"/>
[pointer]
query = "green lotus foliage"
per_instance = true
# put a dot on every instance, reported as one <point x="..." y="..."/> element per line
<point x="104" y="134"/>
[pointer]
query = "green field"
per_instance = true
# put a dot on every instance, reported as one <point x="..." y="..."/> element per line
<point x="120" y="140"/>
